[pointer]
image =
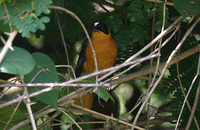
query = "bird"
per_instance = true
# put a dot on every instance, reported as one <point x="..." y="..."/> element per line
<point x="105" y="49"/>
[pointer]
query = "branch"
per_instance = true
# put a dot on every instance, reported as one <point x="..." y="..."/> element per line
<point x="144" y="72"/>
<point x="117" y="81"/>
<point x="12" y="115"/>
<point x="158" y="120"/>
<point x="64" y="101"/>
<point x="162" y="34"/>
<point x="182" y="89"/>
<point x="70" y="118"/>
<point x="81" y="23"/>
<point x="186" y="97"/>
<point x="63" y="41"/>
<point x="28" y="106"/>
<point x="105" y="116"/>
<point x="83" y="85"/>
<point x="194" y="108"/>
<point x="70" y="83"/>
<point x="164" y="69"/>
<point x="7" y="45"/>
<point x="159" y="1"/>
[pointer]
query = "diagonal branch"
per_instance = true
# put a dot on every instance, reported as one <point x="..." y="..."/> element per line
<point x="88" y="37"/>
<point x="162" y="34"/>
<point x="7" y="45"/>
<point x="144" y="72"/>
<point x="194" y="108"/>
<point x="69" y="83"/>
<point x="164" y="69"/>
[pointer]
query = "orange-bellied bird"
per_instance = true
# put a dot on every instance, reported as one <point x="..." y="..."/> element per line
<point x="106" y="52"/>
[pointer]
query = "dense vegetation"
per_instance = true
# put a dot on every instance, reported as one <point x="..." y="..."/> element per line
<point x="39" y="45"/>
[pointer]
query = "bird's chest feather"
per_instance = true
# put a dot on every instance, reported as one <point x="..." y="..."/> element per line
<point x="106" y="53"/>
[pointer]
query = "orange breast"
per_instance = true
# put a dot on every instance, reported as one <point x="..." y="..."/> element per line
<point x="105" y="49"/>
<point x="106" y="53"/>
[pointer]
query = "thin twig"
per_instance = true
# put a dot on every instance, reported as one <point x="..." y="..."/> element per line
<point x="152" y="81"/>
<point x="144" y="72"/>
<point x="159" y="1"/>
<point x="7" y="45"/>
<point x="12" y="115"/>
<point x="194" y="108"/>
<point x="72" y="82"/>
<point x="163" y="71"/>
<point x="159" y="48"/>
<point x="28" y="105"/>
<point x="126" y="70"/>
<point x="4" y="17"/>
<point x="182" y="89"/>
<point x="63" y="41"/>
<point x="105" y="116"/>
<point x="4" y="42"/>
<point x="121" y="79"/>
<point x="137" y="104"/>
<point x="70" y="118"/>
<point x="6" y="9"/>
<point x="186" y="97"/>
<point x="84" y="85"/>
<point x="49" y="120"/>
<point x="68" y="66"/>
<point x="69" y="83"/>
<point x="88" y="37"/>
<point x="162" y="34"/>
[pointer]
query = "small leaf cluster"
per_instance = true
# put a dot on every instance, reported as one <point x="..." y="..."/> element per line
<point x="26" y="16"/>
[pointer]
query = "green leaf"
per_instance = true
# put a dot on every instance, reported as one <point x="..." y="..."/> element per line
<point x="187" y="7"/>
<point x="4" y="27"/>
<point x="26" y="17"/>
<point x="18" y="61"/>
<point x="40" y="6"/>
<point x="6" y="113"/>
<point x="44" y="19"/>
<point x="104" y="94"/>
<point x="44" y="72"/>
<point x="2" y="10"/>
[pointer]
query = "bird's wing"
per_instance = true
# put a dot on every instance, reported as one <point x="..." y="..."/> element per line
<point x="81" y="59"/>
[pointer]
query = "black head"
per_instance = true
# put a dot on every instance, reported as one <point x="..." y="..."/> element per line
<point x="99" y="26"/>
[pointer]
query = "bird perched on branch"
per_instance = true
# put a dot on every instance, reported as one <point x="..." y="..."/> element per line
<point x="106" y="52"/>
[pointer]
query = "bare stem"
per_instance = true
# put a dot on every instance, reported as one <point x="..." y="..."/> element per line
<point x="7" y="45"/>
<point x="163" y="71"/>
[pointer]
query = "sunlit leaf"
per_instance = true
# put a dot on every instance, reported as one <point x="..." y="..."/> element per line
<point x="44" y="72"/>
<point x="104" y="94"/>
<point x="18" y="61"/>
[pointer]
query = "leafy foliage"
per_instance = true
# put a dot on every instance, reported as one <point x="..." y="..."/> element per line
<point x="134" y="25"/>
<point x="26" y="16"/>
<point x="6" y="113"/>
<point x="131" y="26"/>
<point x="187" y="7"/>
<point x="18" y="61"/>
<point x="103" y="93"/>
<point x="46" y="73"/>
